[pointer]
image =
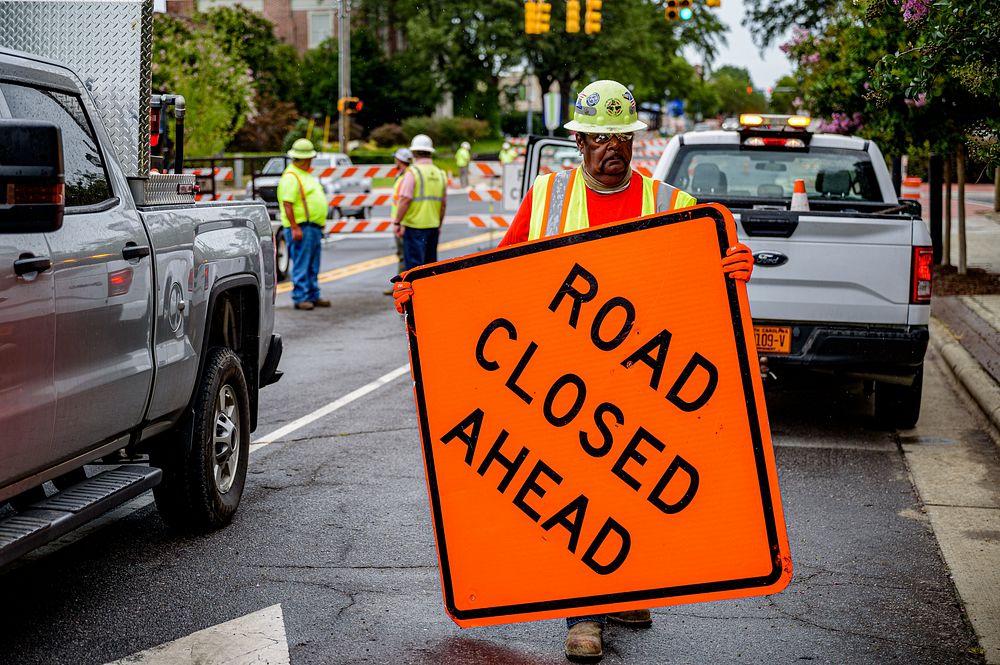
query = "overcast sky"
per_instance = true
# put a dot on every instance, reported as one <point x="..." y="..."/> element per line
<point x="764" y="68"/>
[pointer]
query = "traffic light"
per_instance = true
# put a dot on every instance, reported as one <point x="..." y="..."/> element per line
<point x="537" y="16"/>
<point x="572" y="15"/>
<point x="592" y="20"/>
<point x="544" y="16"/>
<point x="670" y="11"/>
<point x="349" y="105"/>
<point x="684" y="10"/>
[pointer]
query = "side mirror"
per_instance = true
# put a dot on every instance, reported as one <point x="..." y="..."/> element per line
<point x="912" y="207"/>
<point x="32" y="187"/>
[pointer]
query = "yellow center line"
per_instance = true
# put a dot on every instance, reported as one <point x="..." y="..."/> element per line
<point x="382" y="261"/>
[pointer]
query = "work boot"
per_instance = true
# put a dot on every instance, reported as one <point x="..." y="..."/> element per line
<point x="632" y="618"/>
<point x="583" y="642"/>
<point x="321" y="302"/>
<point x="305" y="304"/>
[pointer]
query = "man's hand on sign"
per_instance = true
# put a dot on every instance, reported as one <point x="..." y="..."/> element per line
<point x="401" y="294"/>
<point x="738" y="263"/>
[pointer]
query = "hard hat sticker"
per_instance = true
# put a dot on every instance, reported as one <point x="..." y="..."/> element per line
<point x="614" y="108"/>
<point x="589" y="444"/>
<point x="584" y="110"/>
<point x="593" y="99"/>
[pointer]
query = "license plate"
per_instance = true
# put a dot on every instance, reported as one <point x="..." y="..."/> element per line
<point x="773" y="339"/>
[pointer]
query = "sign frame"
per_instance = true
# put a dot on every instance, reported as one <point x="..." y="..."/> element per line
<point x="781" y="566"/>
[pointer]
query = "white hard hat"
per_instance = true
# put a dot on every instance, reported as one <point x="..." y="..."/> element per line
<point x="422" y="143"/>
<point x="505" y="145"/>
<point x="465" y="144"/>
<point x="403" y="155"/>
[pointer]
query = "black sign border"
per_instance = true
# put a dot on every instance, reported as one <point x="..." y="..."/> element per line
<point x="716" y="214"/>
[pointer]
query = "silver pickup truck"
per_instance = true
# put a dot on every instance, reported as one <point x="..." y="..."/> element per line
<point x="843" y="287"/>
<point x="136" y="327"/>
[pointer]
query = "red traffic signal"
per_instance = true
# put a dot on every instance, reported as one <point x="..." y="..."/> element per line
<point x="349" y="105"/>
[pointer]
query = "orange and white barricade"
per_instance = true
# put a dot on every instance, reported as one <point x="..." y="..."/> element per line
<point x="910" y="188"/>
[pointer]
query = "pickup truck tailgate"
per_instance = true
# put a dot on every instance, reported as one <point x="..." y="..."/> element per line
<point x="850" y="268"/>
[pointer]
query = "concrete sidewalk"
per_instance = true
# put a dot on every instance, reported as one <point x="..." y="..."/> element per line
<point x="965" y="334"/>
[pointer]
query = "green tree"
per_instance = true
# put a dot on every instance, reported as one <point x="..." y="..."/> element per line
<point x="731" y="85"/>
<point x="785" y="95"/>
<point x="187" y="60"/>
<point x="249" y="37"/>
<point x="391" y="89"/>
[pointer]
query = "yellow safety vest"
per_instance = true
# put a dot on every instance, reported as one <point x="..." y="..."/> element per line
<point x="559" y="202"/>
<point x="429" y="191"/>
<point x="395" y="195"/>
<point x="462" y="157"/>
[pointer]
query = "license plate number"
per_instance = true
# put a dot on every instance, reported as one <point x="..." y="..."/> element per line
<point x="773" y="339"/>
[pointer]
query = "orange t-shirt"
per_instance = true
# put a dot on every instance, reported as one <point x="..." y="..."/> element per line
<point x="601" y="208"/>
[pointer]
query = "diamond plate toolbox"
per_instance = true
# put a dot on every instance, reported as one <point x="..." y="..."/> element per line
<point x="108" y="43"/>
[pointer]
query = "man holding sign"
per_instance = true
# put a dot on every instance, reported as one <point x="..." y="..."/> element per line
<point x="602" y="190"/>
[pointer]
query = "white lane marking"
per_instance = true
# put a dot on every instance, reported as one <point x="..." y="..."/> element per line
<point x="329" y="408"/>
<point x="254" y="638"/>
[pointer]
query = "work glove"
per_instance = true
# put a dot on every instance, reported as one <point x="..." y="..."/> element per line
<point x="401" y="294"/>
<point x="738" y="263"/>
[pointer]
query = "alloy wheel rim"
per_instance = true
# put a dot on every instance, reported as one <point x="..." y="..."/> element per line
<point x="226" y="438"/>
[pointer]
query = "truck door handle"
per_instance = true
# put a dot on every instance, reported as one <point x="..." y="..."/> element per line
<point x="29" y="263"/>
<point x="132" y="252"/>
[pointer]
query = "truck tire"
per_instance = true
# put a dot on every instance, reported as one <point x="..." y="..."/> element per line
<point x="898" y="406"/>
<point x="282" y="259"/>
<point x="203" y="482"/>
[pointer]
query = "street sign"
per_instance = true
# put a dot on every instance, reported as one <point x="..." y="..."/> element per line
<point x="593" y="424"/>
<point x="550" y="111"/>
<point x="512" y="174"/>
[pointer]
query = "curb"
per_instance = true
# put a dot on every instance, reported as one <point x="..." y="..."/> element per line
<point x="974" y="379"/>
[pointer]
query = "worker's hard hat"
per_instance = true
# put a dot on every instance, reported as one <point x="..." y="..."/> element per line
<point x="465" y="144"/>
<point x="302" y="149"/>
<point x="604" y="107"/>
<point x="506" y="145"/>
<point x="422" y="143"/>
<point x="403" y="155"/>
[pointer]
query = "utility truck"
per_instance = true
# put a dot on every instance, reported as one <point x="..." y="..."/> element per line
<point x="136" y="327"/>
<point x="842" y="287"/>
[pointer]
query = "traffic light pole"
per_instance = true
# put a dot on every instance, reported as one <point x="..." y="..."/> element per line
<point x="344" y="68"/>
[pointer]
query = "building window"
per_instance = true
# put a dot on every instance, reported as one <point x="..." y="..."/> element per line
<point x="320" y="28"/>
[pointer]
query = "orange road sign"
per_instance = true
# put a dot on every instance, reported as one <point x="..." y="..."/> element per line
<point x="593" y="424"/>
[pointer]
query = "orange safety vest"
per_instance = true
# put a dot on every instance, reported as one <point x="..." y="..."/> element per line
<point x="558" y="205"/>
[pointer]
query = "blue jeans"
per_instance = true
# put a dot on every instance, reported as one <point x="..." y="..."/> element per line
<point x="305" y="262"/>
<point x="420" y="246"/>
<point x="599" y="618"/>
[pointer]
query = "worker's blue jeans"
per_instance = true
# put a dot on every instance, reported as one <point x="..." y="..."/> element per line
<point x="420" y="246"/>
<point x="305" y="256"/>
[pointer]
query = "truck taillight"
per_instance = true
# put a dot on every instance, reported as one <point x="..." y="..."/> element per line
<point x="922" y="271"/>
<point x="21" y="194"/>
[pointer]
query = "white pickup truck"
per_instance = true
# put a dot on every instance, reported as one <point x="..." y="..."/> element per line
<point x="843" y="287"/>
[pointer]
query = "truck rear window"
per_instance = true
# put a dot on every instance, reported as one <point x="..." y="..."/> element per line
<point x="832" y="174"/>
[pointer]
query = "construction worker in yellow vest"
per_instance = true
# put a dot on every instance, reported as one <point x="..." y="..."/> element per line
<point x="462" y="158"/>
<point x="508" y="153"/>
<point x="403" y="158"/>
<point x="421" y="207"/>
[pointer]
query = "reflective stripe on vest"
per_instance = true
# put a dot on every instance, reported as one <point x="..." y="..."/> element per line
<point x="553" y="212"/>
<point x="395" y="195"/>
<point x="428" y="195"/>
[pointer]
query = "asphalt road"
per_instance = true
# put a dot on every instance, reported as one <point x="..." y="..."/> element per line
<point x="335" y="527"/>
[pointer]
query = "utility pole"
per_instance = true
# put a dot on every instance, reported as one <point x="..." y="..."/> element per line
<point x="343" y="10"/>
